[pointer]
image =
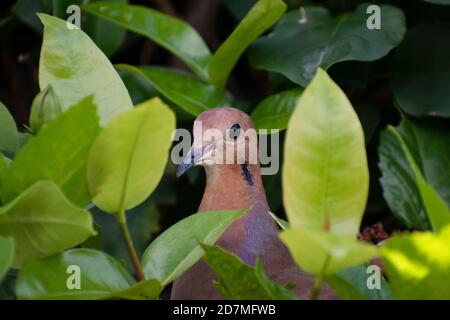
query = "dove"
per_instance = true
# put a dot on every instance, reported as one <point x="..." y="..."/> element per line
<point x="225" y="145"/>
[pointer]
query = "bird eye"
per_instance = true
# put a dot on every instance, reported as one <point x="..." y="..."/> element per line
<point x="235" y="131"/>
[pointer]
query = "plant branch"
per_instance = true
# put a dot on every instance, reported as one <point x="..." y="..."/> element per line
<point x="319" y="279"/>
<point x="130" y="247"/>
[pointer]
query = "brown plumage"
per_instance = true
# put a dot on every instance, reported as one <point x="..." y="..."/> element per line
<point x="233" y="187"/>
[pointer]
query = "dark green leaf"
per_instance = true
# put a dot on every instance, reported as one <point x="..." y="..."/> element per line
<point x="171" y="33"/>
<point x="239" y="281"/>
<point x="428" y="142"/>
<point x="438" y="1"/>
<point x="191" y="94"/>
<point x="239" y="8"/>
<point x="274" y="111"/>
<point x="301" y="44"/>
<point x="260" y="17"/>
<point x="57" y="153"/>
<point x="351" y="284"/>
<point x="421" y="79"/>
<point x="437" y="210"/>
<point x="178" y="248"/>
<point x="26" y="10"/>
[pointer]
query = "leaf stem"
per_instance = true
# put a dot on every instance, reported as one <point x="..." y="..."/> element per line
<point x="121" y="218"/>
<point x="319" y="279"/>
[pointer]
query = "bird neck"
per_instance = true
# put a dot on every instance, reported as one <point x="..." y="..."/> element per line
<point x="233" y="187"/>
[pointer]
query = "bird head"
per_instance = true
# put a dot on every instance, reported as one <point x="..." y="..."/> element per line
<point x="222" y="136"/>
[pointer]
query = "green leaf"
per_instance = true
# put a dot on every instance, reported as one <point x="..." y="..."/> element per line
<point x="57" y="153"/>
<point x="26" y="10"/>
<point x="4" y="163"/>
<point x="437" y="210"/>
<point x="418" y="265"/>
<point x="274" y="111"/>
<point x="438" y="1"/>
<point x="171" y="33"/>
<point x="101" y="277"/>
<point x="191" y="94"/>
<point x="6" y="255"/>
<point x="260" y="17"/>
<point x="238" y="8"/>
<point x="323" y="253"/>
<point x="144" y="290"/>
<point x="300" y="45"/>
<point x="9" y="138"/>
<point x="75" y="68"/>
<point x="325" y="173"/>
<point x="43" y="222"/>
<point x="351" y="284"/>
<point x="427" y="141"/>
<point x="44" y="109"/>
<point x="106" y="35"/>
<point x="128" y="157"/>
<point x="240" y="281"/>
<point x="283" y="224"/>
<point x="178" y="248"/>
<point x="422" y="71"/>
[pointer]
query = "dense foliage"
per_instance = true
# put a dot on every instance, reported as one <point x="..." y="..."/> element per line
<point x="84" y="143"/>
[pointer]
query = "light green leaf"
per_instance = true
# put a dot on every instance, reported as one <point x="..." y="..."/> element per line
<point x="178" y="248"/>
<point x="421" y="70"/>
<point x="418" y="265"/>
<point x="75" y="68"/>
<point x="43" y="222"/>
<point x="302" y="43"/>
<point x="274" y="111"/>
<point x="240" y="281"/>
<point x="351" y="284"/>
<point x="260" y="17"/>
<point x="171" y="33"/>
<point x="191" y="94"/>
<point x="57" y="153"/>
<point x="128" y="157"/>
<point x="44" y="109"/>
<point x="283" y="224"/>
<point x="325" y="174"/>
<point x="437" y="210"/>
<point x="322" y="253"/>
<point x="106" y="35"/>
<point x="6" y="255"/>
<point x="101" y="277"/>
<point x="9" y="138"/>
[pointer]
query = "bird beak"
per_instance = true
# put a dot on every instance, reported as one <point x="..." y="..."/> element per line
<point x="195" y="156"/>
<point x="188" y="162"/>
